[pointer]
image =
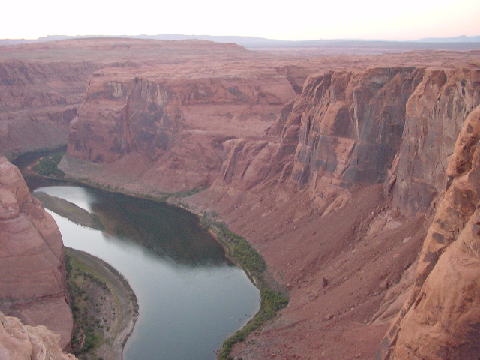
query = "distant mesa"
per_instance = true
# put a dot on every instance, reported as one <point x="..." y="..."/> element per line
<point x="260" y="42"/>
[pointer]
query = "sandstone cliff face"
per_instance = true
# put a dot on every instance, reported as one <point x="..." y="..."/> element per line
<point x="37" y="103"/>
<point x="169" y="128"/>
<point x="353" y="125"/>
<point x="348" y="131"/>
<point x="337" y="194"/>
<point x="32" y="285"/>
<point x="24" y="342"/>
<point x="42" y="85"/>
<point x="440" y="319"/>
<point x="435" y="113"/>
<point x="357" y="128"/>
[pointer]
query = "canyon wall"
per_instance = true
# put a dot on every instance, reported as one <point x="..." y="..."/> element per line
<point x="32" y="285"/>
<point x="170" y="128"/>
<point x="37" y="103"/>
<point x="435" y="113"/>
<point x="401" y="134"/>
<point x="441" y="317"/>
<point x="337" y="192"/>
<point x="24" y="342"/>
<point x="42" y="85"/>
<point x="357" y="183"/>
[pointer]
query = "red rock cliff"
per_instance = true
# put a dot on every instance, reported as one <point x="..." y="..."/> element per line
<point x="37" y="103"/>
<point x="24" y="342"/>
<point x="42" y="85"/>
<point x="440" y="319"/>
<point x="169" y="125"/>
<point x="394" y="127"/>
<point x="32" y="285"/>
<point x="337" y="194"/>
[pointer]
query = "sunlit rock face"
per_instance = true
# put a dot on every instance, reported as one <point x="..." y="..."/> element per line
<point x="440" y="319"/>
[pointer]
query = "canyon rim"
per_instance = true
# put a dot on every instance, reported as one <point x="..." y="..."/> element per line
<point x="355" y="178"/>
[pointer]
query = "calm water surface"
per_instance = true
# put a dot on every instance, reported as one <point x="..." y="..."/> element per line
<point x="190" y="296"/>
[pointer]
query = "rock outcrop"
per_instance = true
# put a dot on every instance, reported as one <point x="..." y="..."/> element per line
<point x="24" y="342"/>
<point x="440" y="319"/>
<point x="32" y="285"/>
<point x="37" y="103"/>
<point x="342" y="184"/>
<point x="169" y="126"/>
<point x="345" y="133"/>
<point x="435" y="113"/>
<point x="42" y="85"/>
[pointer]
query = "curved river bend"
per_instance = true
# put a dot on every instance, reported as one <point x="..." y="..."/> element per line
<point x="190" y="296"/>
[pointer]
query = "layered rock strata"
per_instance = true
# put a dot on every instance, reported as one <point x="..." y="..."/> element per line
<point x="32" y="285"/>
<point x="37" y="103"/>
<point x="42" y="85"/>
<point x="337" y="193"/>
<point x="169" y="129"/>
<point x="440" y="319"/>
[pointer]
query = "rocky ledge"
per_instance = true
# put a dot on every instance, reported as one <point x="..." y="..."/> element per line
<point x="24" y="342"/>
<point x="32" y="285"/>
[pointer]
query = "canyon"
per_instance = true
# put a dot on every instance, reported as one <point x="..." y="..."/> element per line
<point x="33" y="285"/>
<point x="355" y="177"/>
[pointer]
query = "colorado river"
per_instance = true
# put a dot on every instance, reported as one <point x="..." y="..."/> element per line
<point x="190" y="296"/>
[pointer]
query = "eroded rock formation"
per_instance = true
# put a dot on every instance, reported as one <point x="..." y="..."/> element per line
<point x="440" y="319"/>
<point x="42" y="85"/>
<point x="169" y="126"/>
<point x="24" y="342"/>
<point x="335" y="189"/>
<point x="32" y="285"/>
<point x="340" y="181"/>
<point x="37" y="103"/>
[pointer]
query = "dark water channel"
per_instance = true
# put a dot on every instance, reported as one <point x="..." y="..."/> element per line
<point x="190" y="296"/>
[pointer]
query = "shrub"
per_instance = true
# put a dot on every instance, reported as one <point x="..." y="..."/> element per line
<point x="249" y="259"/>
<point x="48" y="165"/>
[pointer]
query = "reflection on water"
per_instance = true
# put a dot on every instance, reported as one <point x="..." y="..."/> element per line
<point x="165" y="230"/>
<point x="190" y="296"/>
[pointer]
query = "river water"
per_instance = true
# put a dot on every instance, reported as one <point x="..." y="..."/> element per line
<point x="190" y="296"/>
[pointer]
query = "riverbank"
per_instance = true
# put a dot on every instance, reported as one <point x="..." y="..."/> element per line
<point x="272" y="297"/>
<point x="104" y="307"/>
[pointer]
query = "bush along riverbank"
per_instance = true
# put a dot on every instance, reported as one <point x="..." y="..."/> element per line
<point x="237" y="249"/>
<point x="104" y="307"/>
<point x="48" y="165"/>
<point x="43" y="162"/>
<point x="272" y="299"/>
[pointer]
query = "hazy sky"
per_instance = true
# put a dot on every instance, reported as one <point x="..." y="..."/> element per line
<point x="295" y="19"/>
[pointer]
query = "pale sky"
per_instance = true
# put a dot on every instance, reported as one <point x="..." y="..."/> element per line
<point x="289" y="20"/>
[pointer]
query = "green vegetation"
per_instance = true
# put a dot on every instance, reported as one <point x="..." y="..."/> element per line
<point x="236" y="247"/>
<point x="271" y="303"/>
<point x="103" y="304"/>
<point x="88" y="330"/>
<point x="244" y="255"/>
<point x="239" y="249"/>
<point x="48" y="165"/>
<point x="25" y="158"/>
